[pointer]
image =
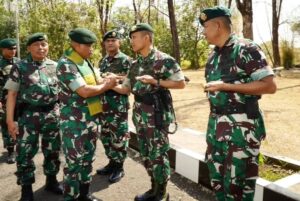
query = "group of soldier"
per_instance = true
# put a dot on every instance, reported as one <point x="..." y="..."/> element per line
<point x="71" y="104"/>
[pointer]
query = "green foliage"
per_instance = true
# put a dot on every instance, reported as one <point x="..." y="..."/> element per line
<point x="7" y="23"/>
<point x="287" y="54"/>
<point x="193" y="46"/>
<point x="56" y="18"/>
<point x="185" y="64"/>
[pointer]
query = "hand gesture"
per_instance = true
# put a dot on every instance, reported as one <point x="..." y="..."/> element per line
<point x="146" y="79"/>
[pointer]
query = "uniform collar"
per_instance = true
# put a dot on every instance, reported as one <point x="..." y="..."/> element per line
<point x="71" y="54"/>
<point x="29" y="59"/>
<point x="230" y="42"/>
<point x="149" y="57"/>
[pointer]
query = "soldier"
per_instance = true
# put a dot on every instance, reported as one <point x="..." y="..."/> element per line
<point x="80" y="109"/>
<point x="149" y="78"/>
<point x="9" y="49"/>
<point x="33" y="84"/>
<point x="237" y="74"/>
<point x="114" y="119"/>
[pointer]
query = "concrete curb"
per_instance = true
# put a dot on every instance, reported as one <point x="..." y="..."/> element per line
<point x="192" y="166"/>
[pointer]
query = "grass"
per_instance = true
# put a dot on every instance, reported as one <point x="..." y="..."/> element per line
<point x="272" y="172"/>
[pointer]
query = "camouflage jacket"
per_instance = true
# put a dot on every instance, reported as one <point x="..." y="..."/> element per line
<point x="70" y="79"/>
<point x="159" y="65"/>
<point x="119" y="64"/>
<point x="239" y="61"/>
<point x="35" y="81"/>
<point x="5" y="68"/>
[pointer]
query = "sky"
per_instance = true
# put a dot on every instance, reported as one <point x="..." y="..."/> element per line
<point x="262" y="18"/>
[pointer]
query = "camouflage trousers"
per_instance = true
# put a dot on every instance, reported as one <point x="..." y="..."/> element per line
<point x="8" y="141"/>
<point x="114" y="135"/>
<point x="154" y="147"/>
<point x="32" y="125"/>
<point x="233" y="170"/>
<point x="79" y="144"/>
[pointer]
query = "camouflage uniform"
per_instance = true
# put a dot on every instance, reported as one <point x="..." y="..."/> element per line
<point x="36" y="84"/>
<point x="5" y="68"/>
<point x="79" y="128"/>
<point x="233" y="136"/>
<point x="153" y="142"/>
<point x="114" y="119"/>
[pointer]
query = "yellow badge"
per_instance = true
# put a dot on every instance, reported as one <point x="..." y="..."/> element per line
<point x="133" y="28"/>
<point x="203" y="16"/>
<point x="113" y="34"/>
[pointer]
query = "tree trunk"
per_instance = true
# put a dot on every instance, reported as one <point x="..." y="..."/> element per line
<point x="276" y="9"/>
<point x="229" y="3"/>
<point x="149" y="12"/>
<point x="245" y="8"/>
<point x="176" y="51"/>
<point x="104" y="7"/>
<point x="135" y="12"/>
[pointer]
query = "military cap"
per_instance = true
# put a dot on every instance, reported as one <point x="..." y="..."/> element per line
<point x="8" y="42"/>
<point x="36" y="37"/>
<point x="140" y="27"/>
<point x="82" y="36"/>
<point x="210" y="13"/>
<point x="111" y="34"/>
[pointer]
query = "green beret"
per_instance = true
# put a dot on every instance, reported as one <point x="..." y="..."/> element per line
<point x="210" y="13"/>
<point x="36" y="37"/>
<point x="140" y="27"/>
<point x="111" y="34"/>
<point x="8" y="42"/>
<point x="82" y="36"/>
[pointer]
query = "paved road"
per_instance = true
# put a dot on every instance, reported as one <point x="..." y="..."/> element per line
<point x="135" y="181"/>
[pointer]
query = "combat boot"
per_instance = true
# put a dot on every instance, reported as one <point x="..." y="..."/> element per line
<point x="27" y="193"/>
<point x="148" y="195"/>
<point x="108" y="169"/>
<point x="52" y="185"/>
<point x="161" y="193"/>
<point x="84" y="193"/>
<point x="117" y="174"/>
<point x="11" y="158"/>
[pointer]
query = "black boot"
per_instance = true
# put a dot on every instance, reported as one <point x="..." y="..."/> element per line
<point x="11" y="158"/>
<point x="117" y="174"/>
<point x="52" y="185"/>
<point x="27" y="193"/>
<point x="108" y="169"/>
<point x="148" y="195"/>
<point x="84" y="193"/>
<point x="161" y="193"/>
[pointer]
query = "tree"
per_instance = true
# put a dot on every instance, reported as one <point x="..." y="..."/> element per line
<point x="176" y="50"/>
<point x="276" y="10"/>
<point x="104" y="8"/>
<point x="245" y="8"/>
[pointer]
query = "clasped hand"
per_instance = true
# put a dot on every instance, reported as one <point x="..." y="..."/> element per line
<point x="146" y="79"/>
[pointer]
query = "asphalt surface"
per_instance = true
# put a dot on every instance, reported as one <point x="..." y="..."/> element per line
<point x="134" y="182"/>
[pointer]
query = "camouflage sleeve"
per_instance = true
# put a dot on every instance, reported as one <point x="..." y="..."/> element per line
<point x="126" y="64"/>
<point x="173" y="71"/>
<point x="69" y="76"/>
<point x="254" y="62"/>
<point x="13" y="82"/>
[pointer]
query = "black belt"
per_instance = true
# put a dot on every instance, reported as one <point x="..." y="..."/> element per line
<point x="146" y="99"/>
<point x="39" y="108"/>
<point x="111" y="93"/>
<point x="230" y="109"/>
